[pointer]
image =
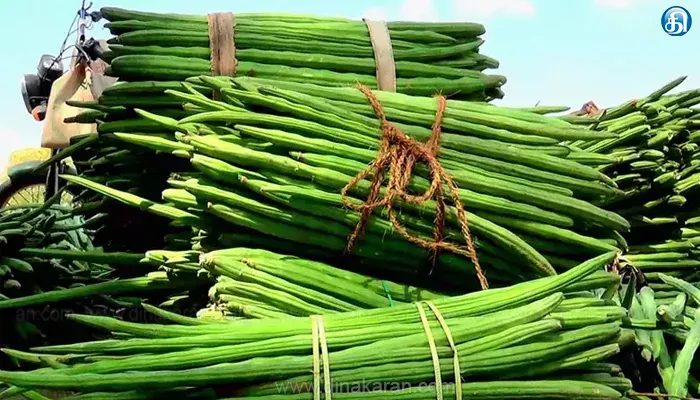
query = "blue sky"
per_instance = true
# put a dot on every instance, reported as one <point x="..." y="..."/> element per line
<point x="559" y="52"/>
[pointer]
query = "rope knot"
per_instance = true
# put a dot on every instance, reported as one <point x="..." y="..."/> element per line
<point x="398" y="154"/>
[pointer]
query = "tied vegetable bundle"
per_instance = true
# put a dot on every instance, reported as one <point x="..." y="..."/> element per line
<point x="438" y="57"/>
<point x="654" y="161"/>
<point x="651" y="159"/>
<point x="272" y="158"/>
<point x="255" y="283"/>
<point x="485" y="338"/>
<point x="427" y="57"/>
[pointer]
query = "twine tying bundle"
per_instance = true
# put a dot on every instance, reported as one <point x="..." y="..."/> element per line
<point x="433" y="349"/>
<point x="383" y="54"/>
<point x="222" y="46"/>
<point x="318" y="337"/>
<point x="398" y="153"/>
<point x="321" y="359"/>
<point x="221" y="43"/>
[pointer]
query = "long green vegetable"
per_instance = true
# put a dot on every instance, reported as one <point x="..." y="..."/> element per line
<point x="494" y="332"/>
<point x="428" y="57"/>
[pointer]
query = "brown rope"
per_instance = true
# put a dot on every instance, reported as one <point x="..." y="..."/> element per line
<point x="398" y="153"/>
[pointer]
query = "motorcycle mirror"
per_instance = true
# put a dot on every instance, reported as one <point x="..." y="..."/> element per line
<point x="30" y="85"/>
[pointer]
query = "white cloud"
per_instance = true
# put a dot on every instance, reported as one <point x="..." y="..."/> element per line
<point x="375" y="14"/>
<point x="613" y="3"/>
<point x="418" y="10"/>
<point x="484" y="9"/>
